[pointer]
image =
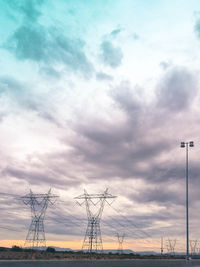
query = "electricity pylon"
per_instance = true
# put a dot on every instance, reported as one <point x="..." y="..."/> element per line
<point x="198" y="248"/>
<point x="171" y="246"/>
<point x="120" y="243"/>
<point x="38" y="203"/>
<point x="193" y="246"/>
<point x="94" y="206"/>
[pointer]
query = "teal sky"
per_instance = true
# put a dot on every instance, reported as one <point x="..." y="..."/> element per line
<point x="97" y="94"/>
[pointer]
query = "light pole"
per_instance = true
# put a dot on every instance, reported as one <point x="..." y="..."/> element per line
<point x="187" y="145"/>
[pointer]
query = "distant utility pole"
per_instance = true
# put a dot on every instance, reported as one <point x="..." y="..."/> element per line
<point x="120" y="239"/>
<point x="187" y="145"/>
<point x="161" y="246"/>
<point x="94" y="206"/>
<point x="38" y="203"/>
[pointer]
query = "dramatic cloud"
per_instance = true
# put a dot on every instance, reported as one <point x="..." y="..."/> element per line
<point x="128" y="99"/>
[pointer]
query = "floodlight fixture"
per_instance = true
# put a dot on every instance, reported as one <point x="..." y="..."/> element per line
<point x="182" y="144"/>
<point x="191" y="143"/>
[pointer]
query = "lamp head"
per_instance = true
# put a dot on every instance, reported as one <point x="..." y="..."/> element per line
<point x="191" y="143"/>
<point x="182" y="144"/>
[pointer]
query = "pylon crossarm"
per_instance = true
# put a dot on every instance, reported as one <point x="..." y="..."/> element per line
<point x="95" y="196"/>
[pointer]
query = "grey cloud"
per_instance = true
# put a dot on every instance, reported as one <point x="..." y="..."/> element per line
<point x="117" y="151"/>
<point x="133" y="147"/>
<point x="177" y="90"/>
<point x="71" y="52"/>
<point x="22" y="97"/>
<point x="39" y="175"/>
<point x="197" y="28"/>
<point x="158" y="194"/>
<point x="111" y="56"/>
<point x="127" y="99"/>
<point x="101" y="76"/>
<point x="144" y="226"/>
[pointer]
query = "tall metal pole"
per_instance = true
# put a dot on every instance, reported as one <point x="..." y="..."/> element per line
<point x="187" y="213"/>
<point x="187" y="145"/>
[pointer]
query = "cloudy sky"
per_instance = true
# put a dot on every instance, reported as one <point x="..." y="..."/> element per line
<point x="96" y="95"/>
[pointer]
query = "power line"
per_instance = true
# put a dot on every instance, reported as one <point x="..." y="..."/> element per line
<point x="127" y="220"/>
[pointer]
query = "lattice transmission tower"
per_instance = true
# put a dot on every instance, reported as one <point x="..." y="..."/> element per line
<point x="94" y="204"/>
<point x="171" y="243"/>
<point x="198" y="247"/>
<point x="120" y="239"/>
<point x="38" y="203"/>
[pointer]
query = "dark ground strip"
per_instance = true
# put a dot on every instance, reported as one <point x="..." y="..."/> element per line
<point x="106" y="263"/>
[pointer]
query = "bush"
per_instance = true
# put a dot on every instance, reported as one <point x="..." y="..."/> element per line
<point x="50" y="249"/>
<point x="16" y="248"/>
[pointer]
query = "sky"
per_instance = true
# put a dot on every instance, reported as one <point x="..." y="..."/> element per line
<point x="95" y="95"/>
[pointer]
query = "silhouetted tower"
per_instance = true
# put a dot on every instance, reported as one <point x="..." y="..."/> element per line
<point x="167" y="247"/>
<point x="193" y="246"/>
<point x="94" y="206"/>
<point x="171" y="246"/>
<point x="38" y="203"/>
<point x="198" y="247"/>
<point x="120" y="243"/>
<point x="161" y="247"/>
